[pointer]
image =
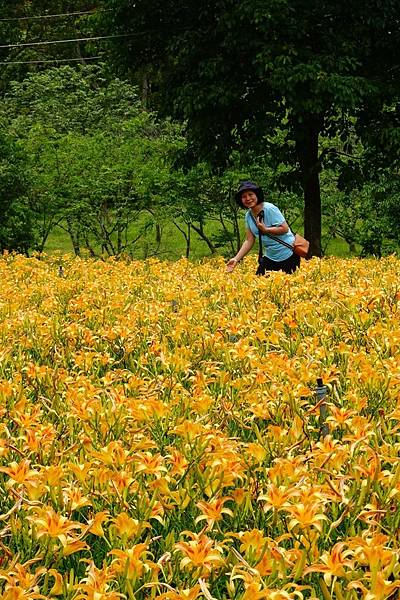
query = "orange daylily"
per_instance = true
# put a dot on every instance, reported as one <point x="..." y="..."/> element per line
<point x="49" y="523"/>
<point x="183" y="594"/>
<point x="95" y="524"/>
<point x="21" y="584"/>
<point x="380" y="589"/>
<point x="81" y="471"/>
<point x="149" y="464"/>
<point x="306" y="515"/>
<point x="74" y="499"/>
<point x="96" y="585"/>
<point x="200" y="552"/>
<point x="125" y="526"/>
<point x="277" y="497"/>
<point x="52" y="475"/>
<point x="73" y="545"/>
<point x="333" y="563"/>
<point x="213" y="511"/>
<point x="373" y="550"/>
<point x="252" y="542"/>
<point x="20" y="473"/>
<point x="131" y="561"/>
<point x="177" y="461"/>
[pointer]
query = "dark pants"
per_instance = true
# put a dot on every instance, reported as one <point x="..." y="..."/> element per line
<point x="288" y="266"/>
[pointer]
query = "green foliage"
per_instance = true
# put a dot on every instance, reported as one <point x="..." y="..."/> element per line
<point x="367" y="218"/>
<point x="15" y="224"/>
<point x="96" y="158"/>
<point x="65" y="99"/>
<point x="28" y="21"/>
<point x="238" y="72"/>
<point x="291" y="95"/>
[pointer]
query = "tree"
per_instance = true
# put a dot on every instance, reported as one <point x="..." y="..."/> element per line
<point x="16" y="232"/>
<point x="31" y="21"/>
<point x="237" y="71"/>
<point x="95" y="158"/>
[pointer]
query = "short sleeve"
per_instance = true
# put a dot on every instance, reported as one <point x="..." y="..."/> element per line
<point x="275" y="217"/>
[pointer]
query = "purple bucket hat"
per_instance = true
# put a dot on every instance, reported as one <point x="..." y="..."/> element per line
<point x="249" y="185"/>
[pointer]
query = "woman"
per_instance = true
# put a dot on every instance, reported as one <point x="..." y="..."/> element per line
<point x="266" y="218"/>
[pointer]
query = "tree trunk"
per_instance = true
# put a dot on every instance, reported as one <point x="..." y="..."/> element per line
<point x="145" y="88"/>
<point x="158" y="234"/>
<point x="200" y="231"/>
<point x="185" y="235"/>
<point x="74" y="235"/>
<point x="188" y="241"/>
<point x="233" y="239"/>
<point x="236" y="229"/>
<point x="306" y="133"/>
<point x="352" y="247"/>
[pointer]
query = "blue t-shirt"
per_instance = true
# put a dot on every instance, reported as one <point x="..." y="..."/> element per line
<point x="272" y="218"/>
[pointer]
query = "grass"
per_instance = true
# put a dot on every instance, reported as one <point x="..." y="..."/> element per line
<point x="173" y="244"/>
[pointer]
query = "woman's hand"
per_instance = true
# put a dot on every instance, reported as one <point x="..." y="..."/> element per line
<point x="274" y="229"/>
<point x="231" y="264"/>
<point x="246" y="247"/>
<point x="261" y="226"/>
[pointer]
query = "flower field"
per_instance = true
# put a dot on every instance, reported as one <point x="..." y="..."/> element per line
<point x="160" y="434"/>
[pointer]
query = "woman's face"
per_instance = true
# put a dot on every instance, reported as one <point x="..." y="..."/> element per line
<point x="249" y="199"/>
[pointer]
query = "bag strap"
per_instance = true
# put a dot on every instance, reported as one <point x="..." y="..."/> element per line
<point x="260" y="252"/>
<point x="279" y="240"/>
<point x="273" y="237"/>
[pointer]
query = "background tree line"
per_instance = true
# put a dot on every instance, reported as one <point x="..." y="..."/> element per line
<point x="155" y="110"/>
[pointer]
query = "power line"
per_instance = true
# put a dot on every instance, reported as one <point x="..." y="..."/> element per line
<point x="35" y="62"/>
<point x="85" y="12"/>
<point x="85" y="39"/>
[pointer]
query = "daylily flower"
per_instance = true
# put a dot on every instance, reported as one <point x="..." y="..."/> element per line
<point x="333" y="563"/>
<point x="50" y="524"/>
<point x="200" y="552"/>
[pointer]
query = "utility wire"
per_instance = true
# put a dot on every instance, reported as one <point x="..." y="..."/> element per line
<point x="85" y="39"/>
<point x="35" y="62"/>
<point x="85" y="12"/>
